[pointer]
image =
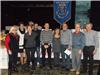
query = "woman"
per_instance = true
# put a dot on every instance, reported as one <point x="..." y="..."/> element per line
<point x="11" y="43"/>
<point x="29" y="45"/>
<point x="56" y="46"/>
<point x="21" y="31"/>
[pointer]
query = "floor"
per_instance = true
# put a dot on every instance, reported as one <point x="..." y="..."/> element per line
<point x="45" y="71"/>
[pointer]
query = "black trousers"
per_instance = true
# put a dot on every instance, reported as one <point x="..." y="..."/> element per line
<point x="98" y="73"/>
<point x="13" y="60"/>
<point x="30" y="52"/>
<point x="88" y="58"/>
<point x="44" y="53"/>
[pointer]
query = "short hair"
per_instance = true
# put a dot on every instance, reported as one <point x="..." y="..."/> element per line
<point x="90" y="23"/>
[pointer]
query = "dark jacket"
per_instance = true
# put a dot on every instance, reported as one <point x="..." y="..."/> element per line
<point x="30" y="40"/>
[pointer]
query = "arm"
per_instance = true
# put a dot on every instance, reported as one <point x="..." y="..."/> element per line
<point x="7" y="41"/>
<point x="41" y="37"/>
<point x="70" y="42"/>
<point x="82" y="41"/>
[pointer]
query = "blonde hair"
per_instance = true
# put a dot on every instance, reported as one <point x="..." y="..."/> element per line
<point x="12" y="28"/>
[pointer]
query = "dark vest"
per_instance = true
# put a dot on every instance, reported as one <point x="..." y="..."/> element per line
<point x="13" y="44"/>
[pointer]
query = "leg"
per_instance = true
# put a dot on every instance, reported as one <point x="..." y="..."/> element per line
<point x="85" y="58"/>
<point x="38" y="54"/>
<point x="10" y="65"/>
<point x="49" y="55"/>
<point x="43" y="55"/>
<point x="28" y="57"/>
<point x="91" y="60"/>
<point x="74" y="59"/>
<point x="15" y="59"/>
<point x="56" y="58"/>
<point x="33" y="58"/>
<point x="63" y="55"/>
<point x="78" y="61"/>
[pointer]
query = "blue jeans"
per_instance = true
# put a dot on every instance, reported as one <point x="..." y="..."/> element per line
<point x="66" y="62"/>
<point x="38" y="54"/>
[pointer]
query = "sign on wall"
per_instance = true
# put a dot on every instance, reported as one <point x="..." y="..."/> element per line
<point x="62" y="11"/>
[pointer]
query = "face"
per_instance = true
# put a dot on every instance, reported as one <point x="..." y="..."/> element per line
<point x="77" y="27"/>
<point x="46" y="26"/>
<point x="36" y="26"/>
<point x="31" y="23"/>
<point x="57" y="31"/>
<point x="21" y="26"/>
<point x="14" y="31"/>
<point x="89" y="27"/>
<point x="65" y="27"/>
<point x="29" y="28"/>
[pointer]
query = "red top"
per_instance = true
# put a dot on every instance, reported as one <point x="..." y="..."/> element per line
<point x="7" y="40"/>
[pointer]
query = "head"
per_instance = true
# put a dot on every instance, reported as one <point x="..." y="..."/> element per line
<point x="21" y="26"/>
<point x="65" y="26"/>
<point x="77" y="27"/>
<point x="46" y="25"/>
<point x="57" y="31"/>
<point x="30" y="22"/>
<point x="89" y="26"/>
<point x="13" y="30"/>
<point x="29" y="28"/>
<point x="36" y="26"/>
<point x="3" y="32"/>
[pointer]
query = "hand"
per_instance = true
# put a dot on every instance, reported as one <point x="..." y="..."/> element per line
<point x="80" y="51"/>
<point x="46" y="46"/>
<point x="9" y="52"/>
<point x="94" y="52"/>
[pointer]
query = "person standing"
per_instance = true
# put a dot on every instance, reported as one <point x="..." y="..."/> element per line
<point x="66" y="43"/>
<point x="46" y="41"/>
<point x="91" y="45"/>
<point x="78" y="42"/>
<point x="56" y="46"/>
<point x="12" y="46"/>
<point x="21" y="32"/>
<point x="37" y="42"/>
<point x="29" y="45"/>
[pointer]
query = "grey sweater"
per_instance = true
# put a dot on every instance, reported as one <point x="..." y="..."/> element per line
<point x="30" y="40"/>
<point x="46" y="37"/>
<point x="91" y="39"/>
<point x="66" y="38"/>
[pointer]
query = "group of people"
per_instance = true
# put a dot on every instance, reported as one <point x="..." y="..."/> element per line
<point x="33" y="39"/>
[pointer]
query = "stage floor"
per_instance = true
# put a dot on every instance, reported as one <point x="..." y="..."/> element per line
<point x="45" y="71"/>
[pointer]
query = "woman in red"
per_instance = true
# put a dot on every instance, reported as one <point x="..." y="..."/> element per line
<point x="11" y="43"/>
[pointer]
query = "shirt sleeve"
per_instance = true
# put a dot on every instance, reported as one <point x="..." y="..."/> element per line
<point x="7" y="40"/>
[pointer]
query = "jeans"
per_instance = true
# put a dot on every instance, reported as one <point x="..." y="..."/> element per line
<point x="66" y="62"/>
<point x="38" y="54"/>
<point x="76" y="59"/>
<point x="30" y="52"/>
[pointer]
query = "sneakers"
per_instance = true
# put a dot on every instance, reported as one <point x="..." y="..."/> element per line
<point x="77" y="73"/>
<point x="72" y="70"/>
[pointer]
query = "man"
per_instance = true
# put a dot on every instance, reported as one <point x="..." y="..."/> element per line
<point x="46" y="41"/>
<point x="37" y="42"/>
<point x="12" y="46"/>
<point x="78" y="41"/>
<point x="66" y="43"/>
<point x="91" y="45"/>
